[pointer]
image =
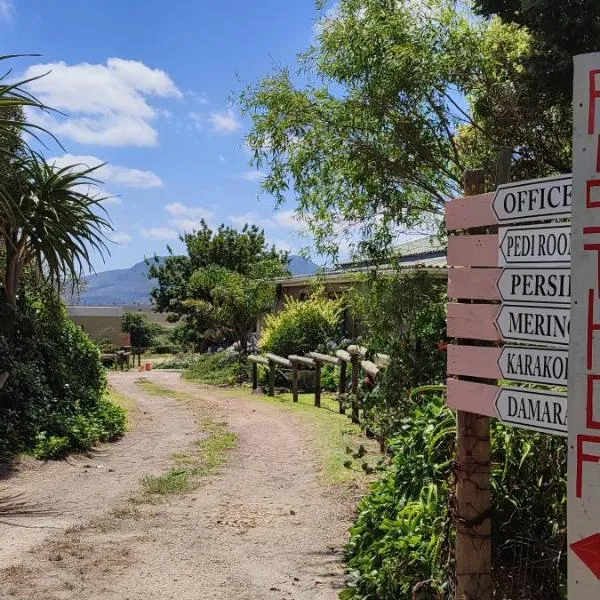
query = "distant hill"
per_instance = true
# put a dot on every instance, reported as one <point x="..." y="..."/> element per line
<point x="132" y="286"/>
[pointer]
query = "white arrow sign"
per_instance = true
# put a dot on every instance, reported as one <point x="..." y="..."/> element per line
<point x="548" y="366"/>
<point x="535" y="245"/>
<point x="530" y="409"/>
<point x="543" y="324"/>
<point x="544" y="286"/>
<point x="534" y="200"/>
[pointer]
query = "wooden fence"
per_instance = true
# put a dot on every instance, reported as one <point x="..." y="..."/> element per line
<point x="353" y="358"/>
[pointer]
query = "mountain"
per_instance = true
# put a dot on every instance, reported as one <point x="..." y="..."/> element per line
<point x="131" y="286"/>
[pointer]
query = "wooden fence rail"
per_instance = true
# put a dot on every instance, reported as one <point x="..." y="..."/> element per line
<point x="314" y="361"/>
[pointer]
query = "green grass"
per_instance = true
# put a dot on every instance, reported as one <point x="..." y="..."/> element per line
<point x="339" y="441"/>
<point x="155" y="389"/>
<point x="208" y="455"/>
<point x="126" y="403"/>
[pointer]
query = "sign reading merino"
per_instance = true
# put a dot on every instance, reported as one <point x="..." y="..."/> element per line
<point x="535" y="245"/>
<point x="530" y="409"/>
<point x="531" y="200"/>
<point x="543" y="324"/>
<point x="550" y="286"/>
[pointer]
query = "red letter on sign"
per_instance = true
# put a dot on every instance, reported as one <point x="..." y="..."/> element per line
<point x="594" y="95"/>
<point x="591" y="328"/>
<point x="581" y="458"/>
<point x="591" y="421"/>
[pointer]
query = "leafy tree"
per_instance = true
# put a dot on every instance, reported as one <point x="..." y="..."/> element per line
<point x="235" y="252"/>
<point x="399" y="109"/>
<point x="53" y="227"/>
<point x="235" y="302"/>
<point x="142" y="330"/>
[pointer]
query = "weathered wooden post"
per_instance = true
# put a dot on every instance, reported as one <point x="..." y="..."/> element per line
<point x="254" y="376"/>
<point x="318" y="366"/>
<point x="356" y="352"/>
<point x="345" y="359"/>
<point x="296" y="362"/>
<point x="473" y="487"/>
<point x="271" y="378"/>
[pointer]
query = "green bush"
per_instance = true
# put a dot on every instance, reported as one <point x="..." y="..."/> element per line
<point x="56" y="384"/>
<point x="142" y="330"/>
<point x="219" y="368"/>
<point x="302" y="326"/>
<point x="400" y="545"/>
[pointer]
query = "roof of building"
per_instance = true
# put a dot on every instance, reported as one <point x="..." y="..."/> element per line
<point x="95" y="311"/>
<point x="427" y="254"/>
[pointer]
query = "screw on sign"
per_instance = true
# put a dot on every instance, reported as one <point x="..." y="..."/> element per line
<point x="584" y="356"/>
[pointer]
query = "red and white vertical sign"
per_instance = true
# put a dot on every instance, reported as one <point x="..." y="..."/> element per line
<point x="584" y="350"/>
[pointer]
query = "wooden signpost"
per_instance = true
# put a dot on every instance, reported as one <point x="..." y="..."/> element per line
<point x="508" y="284"/>
<point x="584" y="352"/>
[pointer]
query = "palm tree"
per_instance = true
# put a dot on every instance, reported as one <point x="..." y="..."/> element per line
<point x="57" y="222"/>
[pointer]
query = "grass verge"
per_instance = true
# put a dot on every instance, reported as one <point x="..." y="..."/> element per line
<point x="126" y="403"/>
<point x="208" y="455"/>
<point x="154" y="389"/>
<point x="346" y="456"/>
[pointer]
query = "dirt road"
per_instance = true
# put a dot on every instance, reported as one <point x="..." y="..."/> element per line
<point x="264" y="527"/>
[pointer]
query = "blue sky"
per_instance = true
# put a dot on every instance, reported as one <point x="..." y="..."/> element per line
<point x="146" y="85"/>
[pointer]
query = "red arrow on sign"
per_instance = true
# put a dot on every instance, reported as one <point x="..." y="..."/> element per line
<point x="588" y="550"/>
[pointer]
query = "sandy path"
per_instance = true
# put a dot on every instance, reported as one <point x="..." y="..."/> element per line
<point x="264" y="528"/>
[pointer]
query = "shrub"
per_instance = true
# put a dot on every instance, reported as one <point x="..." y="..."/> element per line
<point x="142" y="330"/>
<point x="219" y="368"/>
<point x="400" y="545"/>
<point x="302" y="326"/>
<point x="56" y="383"/>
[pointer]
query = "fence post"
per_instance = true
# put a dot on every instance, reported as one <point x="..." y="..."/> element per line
<point x="317" y="383"/>
<point x="271" y="378"/>
<point x="254" y="376"/>
<point x="355" y="372"/>
<point x="342" y="389"/>
<point x="295" y="383"/>
<point x="473" y="485"/>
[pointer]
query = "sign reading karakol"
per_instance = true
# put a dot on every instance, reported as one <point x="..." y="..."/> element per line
<point x="531" y="364"/>
<point x="532" y="409"/>
<point x="583" y="504"/>
<point x="532" y="200"/>
<point x="542" y="245"/>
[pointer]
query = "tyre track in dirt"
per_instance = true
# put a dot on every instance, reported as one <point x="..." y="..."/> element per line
<point x="265" y="527"/>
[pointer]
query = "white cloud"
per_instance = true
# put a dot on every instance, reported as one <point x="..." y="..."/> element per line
<point x="198" y="97"/>
<point x="160" y="233"/>
<point x="288" y="219"/>
<point x="281" y="245"/>
<point x="326" y="19"/>
<point x="221" y="158"/>
<point x="280" y="219"/>
<point x="187" y="218"/>
<point x="7" y="10"/>
<point x="198" y="120"/>
<point x="109" y="173"/>
<point x="107" y="104"/>
<point x="224" y="122"/>
<point x="197" y="212"/>
<point x="120" y="237"/>
<point x="254" y="176"/>
<point x="251" y="218"/>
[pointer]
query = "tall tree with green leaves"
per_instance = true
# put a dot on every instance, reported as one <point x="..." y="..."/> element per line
<point x="232" y="302"/>
<point x="395" y="110"/>
<point x="236" y="251"/>
<point x="55" y="227"/>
